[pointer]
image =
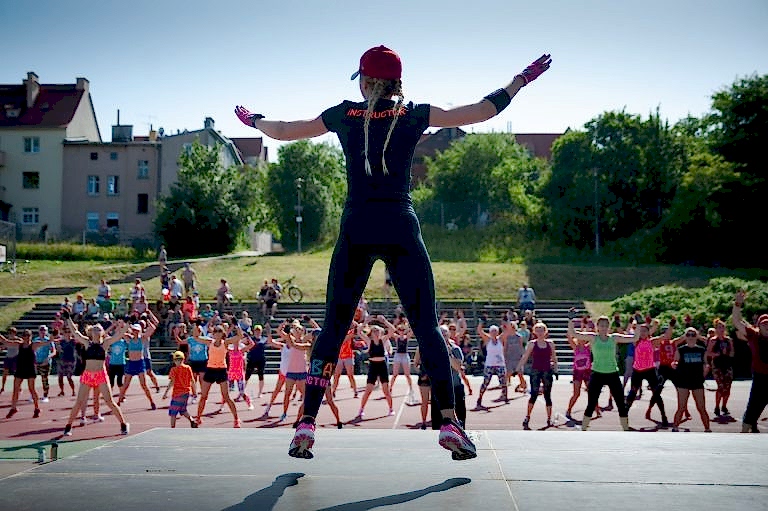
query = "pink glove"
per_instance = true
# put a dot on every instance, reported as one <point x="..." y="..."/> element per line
<point x="246" y="117"/>
<point x="536" y="68"/>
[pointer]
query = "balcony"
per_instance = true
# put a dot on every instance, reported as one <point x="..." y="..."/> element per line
<point x="2" y="158"/>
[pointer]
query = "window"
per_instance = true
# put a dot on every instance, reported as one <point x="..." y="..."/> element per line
<point x="31" y="144"/>
<point x="31" y="180"/>
<point x="113" y="221"/>
<point x="94" y="156"/>
<point x="93" y="185"/>
<point x="30" y="216"/>
<point x="113" y="156"/>
<point x="92" y="221"/>
<point x="143" y="206"/>
<point x="143" y="169"/>
<point x="113" y="185"/>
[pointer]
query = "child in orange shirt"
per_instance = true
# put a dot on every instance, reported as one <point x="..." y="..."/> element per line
<point x="182" y="380"/>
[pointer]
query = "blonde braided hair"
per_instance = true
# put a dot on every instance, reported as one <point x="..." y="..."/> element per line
<point x="378" y="89"/>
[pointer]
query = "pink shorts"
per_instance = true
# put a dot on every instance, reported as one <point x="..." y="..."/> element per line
<point x="93" y="378"/>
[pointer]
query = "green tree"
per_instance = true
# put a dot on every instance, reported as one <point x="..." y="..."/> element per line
<point x="739" y="124"/>
<point x="485" y="172"/>
<point x="634" y="165"/>
<point x="323" y="190"/>
<point x="209" y="207"/>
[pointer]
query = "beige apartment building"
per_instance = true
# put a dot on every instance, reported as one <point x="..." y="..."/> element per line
<point x="35" y="121"/>
<point x="111" y="188"/>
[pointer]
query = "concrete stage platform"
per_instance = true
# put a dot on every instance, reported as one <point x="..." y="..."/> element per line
<point x="248" y="469"/>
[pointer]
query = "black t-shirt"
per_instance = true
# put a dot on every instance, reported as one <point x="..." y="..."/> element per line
<point x="690" y="367"/>
<point x="347" y="119"/>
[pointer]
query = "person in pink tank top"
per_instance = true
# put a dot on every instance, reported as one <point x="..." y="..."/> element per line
<point x="644" y="367"/>
<point x="582" y="371"/>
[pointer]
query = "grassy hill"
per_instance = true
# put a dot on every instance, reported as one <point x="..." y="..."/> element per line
<point x="596" y="284"/>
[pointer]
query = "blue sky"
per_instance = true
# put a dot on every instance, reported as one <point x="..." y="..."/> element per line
<point x="172" y="63"/>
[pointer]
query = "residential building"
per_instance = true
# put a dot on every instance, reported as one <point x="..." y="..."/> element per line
<point x="35" y="121"/>
<point x="111" y="188"/>
<point x="173" y="145"/>
<point x="252" y="150"/>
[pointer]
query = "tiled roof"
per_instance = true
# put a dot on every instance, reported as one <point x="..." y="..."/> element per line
<point x="249" y="147"/>
<point x="540" y="144"/>
<point x="54" y="106"/>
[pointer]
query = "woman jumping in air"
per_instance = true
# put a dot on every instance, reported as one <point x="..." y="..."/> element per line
<point x="378" y="136"/>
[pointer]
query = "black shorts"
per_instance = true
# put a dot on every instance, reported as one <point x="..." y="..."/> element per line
<point x="378" y="371"/>
<point x="255" y="366"/>
<point x="423" y="380"/>
<point x="270" y="303"/>
<point x="198" y="366"/>
<point x="215" y="375"/>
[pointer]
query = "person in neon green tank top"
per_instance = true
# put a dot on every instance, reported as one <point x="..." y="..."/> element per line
<point x="605" y="371"/>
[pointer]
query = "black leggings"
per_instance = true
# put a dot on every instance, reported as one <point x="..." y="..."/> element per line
<point x="399" y="244"/>
<point x="758" y="399"/>
<point x="116" y="373"/>
<point x="653" y="380"/>
<point x="537" y="378"/>
<point x="596" y="383"/>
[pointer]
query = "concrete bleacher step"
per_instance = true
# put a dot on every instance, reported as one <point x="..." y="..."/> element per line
<point x="553" y="312"/>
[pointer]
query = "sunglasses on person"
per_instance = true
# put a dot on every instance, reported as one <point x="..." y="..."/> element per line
<point x="690" y="334"/>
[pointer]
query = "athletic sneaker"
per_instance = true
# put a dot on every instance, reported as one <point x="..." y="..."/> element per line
<point x="68" y="430"/>
<point x="36" y="414"/>
<point x="525" y="423"/>
<point x="98" y="418"/>
<point x="725" y="411"/>
<point x="82" y="421"/>
<point x="11" y="413"/>
<point x="339" y="425"/>
<point x="390" y="413"/>
<point x="282" y="418"/>
<point x="717" y="412"/>
<point x="153" y="406"/>
<point x="303" y="439"/>
<point x="453" y="438"/>
<point x="125" y="429"/>
<point x="44" y="400"/>
<point x="237" y="424"/>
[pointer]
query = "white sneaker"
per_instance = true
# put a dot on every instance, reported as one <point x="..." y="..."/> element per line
<point x="250" y="406"/>
<point x="193" y="400"/>
<point x="98" y="418"/>
<point x="82" y="421"/>
<point x="44" y="400"/>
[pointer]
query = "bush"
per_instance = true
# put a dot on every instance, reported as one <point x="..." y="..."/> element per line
<point x="703" y="304"/>
<point x="78" y="252"/>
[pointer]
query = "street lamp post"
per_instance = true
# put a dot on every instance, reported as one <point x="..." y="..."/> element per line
<point x="597" y="216"/>
<point x="298" y="211"/>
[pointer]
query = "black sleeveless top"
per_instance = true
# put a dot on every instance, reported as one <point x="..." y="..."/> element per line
<point x="95" y="352"/>
<point x="722" y="355"/>
<point x="402" y="345"/>
<point x="376" y="350"/>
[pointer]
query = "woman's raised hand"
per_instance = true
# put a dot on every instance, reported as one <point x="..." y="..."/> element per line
<point x="246" y="116"/>
<point x="536" y="68"/>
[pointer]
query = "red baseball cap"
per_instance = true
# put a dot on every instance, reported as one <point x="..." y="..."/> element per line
<point x="380" y="62"/>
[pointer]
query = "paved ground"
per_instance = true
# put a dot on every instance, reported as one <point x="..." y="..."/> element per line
<point x="498" y="415"/>
<point x="245" y="469"/>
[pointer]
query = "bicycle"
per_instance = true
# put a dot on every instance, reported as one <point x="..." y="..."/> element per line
<point x="292" y="290"/>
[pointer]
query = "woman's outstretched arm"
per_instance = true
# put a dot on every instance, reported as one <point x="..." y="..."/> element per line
<point x="282" y="130"/>
<point x="492" y="104"/>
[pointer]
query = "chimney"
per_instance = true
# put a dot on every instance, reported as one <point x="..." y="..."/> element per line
<point x="208" y="123"/>
<point x="82" y="84"/>
<point x="33" y="88"/>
